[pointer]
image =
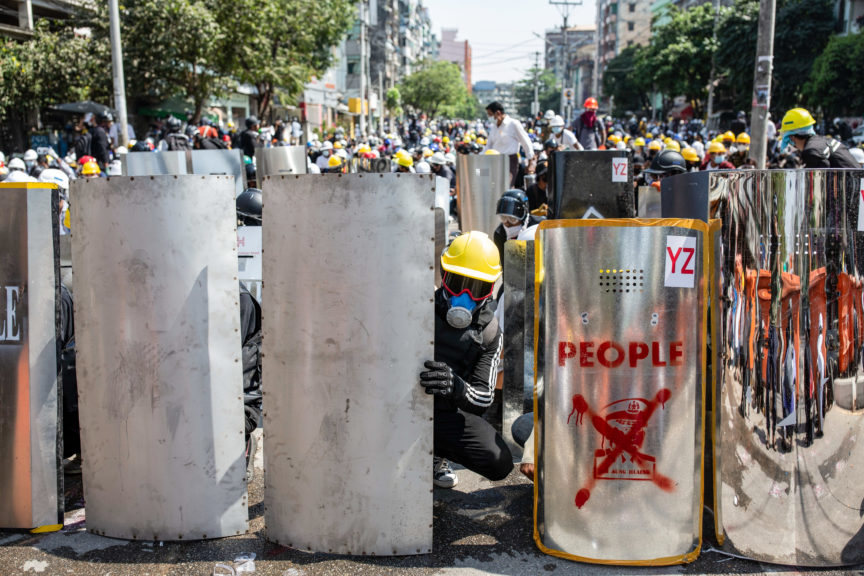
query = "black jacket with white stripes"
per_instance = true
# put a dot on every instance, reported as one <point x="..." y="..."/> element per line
<point x="473" y="353"/>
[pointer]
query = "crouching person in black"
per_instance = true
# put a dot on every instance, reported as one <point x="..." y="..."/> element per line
<point x="467" y="350"/>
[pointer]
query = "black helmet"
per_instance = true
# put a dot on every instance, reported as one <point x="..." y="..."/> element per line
<point x="173" y="124"/>
<point x="251" y="121"/>
<point x="550" y="143"/>
<point x="191" y="131"/>
<point x="249" y="207"/>
<point x="104" y="117"/>
<point x="513" y="203"/>
<point x="667" y="162"/>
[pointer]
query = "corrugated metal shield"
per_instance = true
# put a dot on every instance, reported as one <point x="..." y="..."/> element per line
<point x="159" y="374"/>
<point x="280" y="160"/>
<point x="348" y="324"/>
<point x="619" y="408"/>
<point x="480" y="182"/>
<point x="31" y="480"/>
<point x="788" y="442"/>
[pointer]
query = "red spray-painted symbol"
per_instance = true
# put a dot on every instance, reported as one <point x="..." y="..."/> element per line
<point x="622" y="427"/>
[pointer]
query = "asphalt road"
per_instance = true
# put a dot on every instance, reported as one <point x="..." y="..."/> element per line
<point x="480" y="527"/>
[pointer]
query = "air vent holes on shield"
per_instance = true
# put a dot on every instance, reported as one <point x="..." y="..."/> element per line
<point x="622" y="281"/>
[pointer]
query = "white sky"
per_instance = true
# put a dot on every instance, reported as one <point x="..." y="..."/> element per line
<point x="500" y="31"/>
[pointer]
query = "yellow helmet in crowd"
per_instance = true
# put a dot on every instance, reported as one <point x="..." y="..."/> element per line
<point x="655" y="145"/>
<point x="796" y="119"/>
<point x="690" y="154"/>
<point x="639" y="141"/>
<point x="743" y="138"/>
<point x="473" y="255"/>
<point x="673" y="145"/>
<point x="716" y="148"/>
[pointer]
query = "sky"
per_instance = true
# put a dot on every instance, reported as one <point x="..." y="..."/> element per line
<point x="501" y="31"/>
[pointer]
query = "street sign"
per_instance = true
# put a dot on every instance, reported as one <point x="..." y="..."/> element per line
<point x="567" y="96"/>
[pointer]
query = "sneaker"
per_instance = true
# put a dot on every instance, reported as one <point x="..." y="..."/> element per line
<point x="442" y="474"/>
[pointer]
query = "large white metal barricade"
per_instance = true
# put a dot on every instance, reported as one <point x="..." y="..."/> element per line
<point x="348" y="324"/>
<point x="480" y="182"/>
<point x="280" y="160"/>
<point x="619" y="407"/>
<point x="31" y="477"/>
<point x="159" y="356"/>
<point x="176" y="163"/>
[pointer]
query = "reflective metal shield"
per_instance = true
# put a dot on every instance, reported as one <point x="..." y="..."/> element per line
<point x="348" y="324"/>
<point x="480" y="182"/>
<point x="649" y="202"/>
<point x="31" y="478"/>
<point x="790" y="314"/>
<point x="619" y="404"/>
<point x="280" y="160"/>
<point x="158" y="357"/>
<point x="518" y="326"/>
<point x="591" y="184"/>
<point x="221" y="163"/>
<point x="154" y="163"/>
<point x="250" y="258"/>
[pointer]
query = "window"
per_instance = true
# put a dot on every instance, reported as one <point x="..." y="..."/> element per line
<point x="351" y="67"/>
<point x="629" y="43"/>
<point x="632" y="6"/>
<point x="631" y="26"/>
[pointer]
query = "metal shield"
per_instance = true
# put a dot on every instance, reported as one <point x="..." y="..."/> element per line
<point x="154" y="163"/>
<point x="619" y="404"/>
<point x="158" y="357"/>
<point x="348" y="324"/>
<point x="480" y="182"/>
<point x="518" y="327"/>
<point x="221" y="163"/>
<point x="280" y="160"/>
<point x="250" y="258"/>
<point x="792" y="332"/>
<point x="591" y="184"/>
<point x="649" y="202"/>
<point x="31" y="479"/>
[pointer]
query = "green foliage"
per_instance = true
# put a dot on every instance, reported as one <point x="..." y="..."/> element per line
<point x="54" y="66"/>
<point x="835" y="82"/>
<point x="678" y="60"/>
<point x="393" y="101"/>
<point x="277" y="45"/>
<point x="548" y="92"/>
<point x="620" y="81"/>
<point x="434" y="86"/>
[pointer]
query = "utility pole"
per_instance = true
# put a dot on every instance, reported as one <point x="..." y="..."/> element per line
<point x="117" y="69"/>
<point x="362" y="125"/>
<point x="713" y="64"/>
<point x="595" y="80"/>
<point x="762" y="82"/>
<point x="380" y="100"/>
<point x="564" y="7"/>
<point x="535" y="107"/>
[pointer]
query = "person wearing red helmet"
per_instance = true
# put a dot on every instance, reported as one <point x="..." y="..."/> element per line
<point x="589" y="131"/>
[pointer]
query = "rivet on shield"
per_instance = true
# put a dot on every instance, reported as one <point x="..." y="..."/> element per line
<point x="585" y="318"/>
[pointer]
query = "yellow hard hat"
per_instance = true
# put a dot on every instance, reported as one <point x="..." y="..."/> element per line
<point x="473" y="255"/>
<point x="716" y="148"/>
<point x="626" y="138"/>
<point x="639" y="141"/>
<point x="614" y="139"/>
<point x="446" y="140"/>
<point x="795" y="119"/>
<point x="334" y="162"/>
<point x="690" y="154"/>
<point x="667" y="140"/>
<point x="405" y="160"/>
<point x="91" y="169"/>
<point x="649" y="135"/>
<point x="673" y="145"/>
<point x="743" y="138"/>
<point x="655" y="145"/>
<point x="491" y="152"/>
<point x="481" y="141"/>
<point x="363" y="149"/>
<point x="427" y="152"/>
<point x="337" y="145"/>
<point x="728" y="136"/>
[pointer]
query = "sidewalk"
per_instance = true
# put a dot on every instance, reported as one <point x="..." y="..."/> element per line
<point x="481" y="527"/>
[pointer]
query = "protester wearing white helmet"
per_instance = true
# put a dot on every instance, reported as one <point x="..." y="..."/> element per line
<point x="566" y="139"/>
<point x="326" y="151"/>
<point x="422" y="167"/>
<point x="451" y="159"/>
<point x="30" y="158"/>
<point x="16" y="164"/>
<point x="54" y="176"/>
<point x="19" y="176"/>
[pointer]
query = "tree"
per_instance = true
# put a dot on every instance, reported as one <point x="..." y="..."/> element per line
<point x="548" y="92"/>
<point x="394" y="101"/>
<point x="278" y="45"/>
<point x="835" y="82"/>
<point x="621" y="81"/>
<point x="678" y="60"/>
<point x="433" y="86"/>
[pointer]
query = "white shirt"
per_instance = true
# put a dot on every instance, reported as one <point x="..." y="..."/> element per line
<point x="508" y="137"/>
<point x="568" y="141"/>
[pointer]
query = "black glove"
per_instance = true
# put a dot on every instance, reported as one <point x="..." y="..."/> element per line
<point x="441" y="380"/>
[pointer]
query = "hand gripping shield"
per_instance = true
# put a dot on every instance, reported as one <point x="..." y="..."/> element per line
<point x="31" y="477"/>
<point x="480" y="182"/>
<point x="791" y="390"/>
<point x="159" y="373"/>
<point x="621" y="311"/>
<point x="349" y="321"/>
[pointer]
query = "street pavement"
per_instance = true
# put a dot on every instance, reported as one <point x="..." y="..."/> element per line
<point x="480" y="527"/>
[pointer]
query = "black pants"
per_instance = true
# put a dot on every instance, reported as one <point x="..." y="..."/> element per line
<point x="471" y="441"/>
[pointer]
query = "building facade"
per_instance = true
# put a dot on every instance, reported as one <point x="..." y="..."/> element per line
<point x="571" y="57"/>
<point x="456" y="51"/>
<point x="488" y="91"/>
<point x="621" y="24"/>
